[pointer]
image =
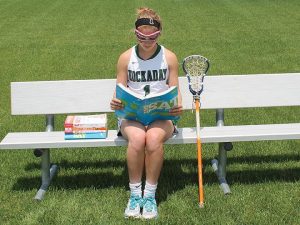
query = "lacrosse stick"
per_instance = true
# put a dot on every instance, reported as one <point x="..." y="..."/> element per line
<point x="195" y="68"/>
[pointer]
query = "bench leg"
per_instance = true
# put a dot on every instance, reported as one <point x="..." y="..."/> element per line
<point x="48" y="171"/>
<point x="219" y="166"/>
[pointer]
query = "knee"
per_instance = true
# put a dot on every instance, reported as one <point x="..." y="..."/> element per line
<point x="154" y="142"/>
<point x="137" y="141"/>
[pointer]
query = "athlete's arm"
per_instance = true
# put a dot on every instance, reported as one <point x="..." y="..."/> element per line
<point x="173" y="80"/>
<point x="122" y="65"/>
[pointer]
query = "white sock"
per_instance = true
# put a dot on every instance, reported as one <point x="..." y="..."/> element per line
<point x="136" y="189"/>
<point x="150" y="190"/>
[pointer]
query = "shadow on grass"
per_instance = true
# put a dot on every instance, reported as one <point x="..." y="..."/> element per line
<point x="175" y="176"/>
<point x="81" y="165"/>
<point x="264" y="159"/>
<point x="263" y="175"/>
<point x="118" y="163"/>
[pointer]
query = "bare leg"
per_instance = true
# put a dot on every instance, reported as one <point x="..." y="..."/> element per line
<point x="157" y="133"/>
<point x="135" y="133"/>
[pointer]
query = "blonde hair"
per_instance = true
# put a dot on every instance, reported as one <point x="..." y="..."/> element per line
<point x="145" y="12"/>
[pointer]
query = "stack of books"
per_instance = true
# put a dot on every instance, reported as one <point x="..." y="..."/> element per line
<point x="86" y="127"/>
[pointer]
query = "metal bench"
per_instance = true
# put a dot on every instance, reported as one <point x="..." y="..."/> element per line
<point x="220" y="92"/>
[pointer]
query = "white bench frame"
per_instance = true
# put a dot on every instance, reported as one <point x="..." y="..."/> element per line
<point x="220" y="92"/>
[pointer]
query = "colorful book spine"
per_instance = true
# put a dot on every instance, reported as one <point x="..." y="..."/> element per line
<point x="99" y="135"/>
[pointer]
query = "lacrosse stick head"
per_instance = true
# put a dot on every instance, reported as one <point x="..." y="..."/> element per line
<point x="195" y="67"/>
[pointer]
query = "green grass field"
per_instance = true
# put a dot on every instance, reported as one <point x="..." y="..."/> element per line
<point x="76" y="39"/>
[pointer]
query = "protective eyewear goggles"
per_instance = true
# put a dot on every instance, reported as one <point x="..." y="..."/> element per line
<point x="147" y="37"/>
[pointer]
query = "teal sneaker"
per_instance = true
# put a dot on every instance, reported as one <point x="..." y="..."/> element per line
<point x="133" y="209"/>
<point x="149" y="208"/>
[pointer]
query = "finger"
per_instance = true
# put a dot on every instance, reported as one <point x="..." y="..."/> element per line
<point x="177" y="107"/>
<point x="115" y="100"/>
<point x="113" y="105"/>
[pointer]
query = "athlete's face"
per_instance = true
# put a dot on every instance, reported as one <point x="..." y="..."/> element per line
<point x="147" y="36"/>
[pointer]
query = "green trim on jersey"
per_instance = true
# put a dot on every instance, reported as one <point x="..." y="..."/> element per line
<point x="153" y="56"/>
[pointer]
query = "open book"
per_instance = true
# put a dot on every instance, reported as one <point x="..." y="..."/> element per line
<point x="146" y="109"/>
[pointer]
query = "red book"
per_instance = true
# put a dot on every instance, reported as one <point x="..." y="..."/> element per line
<point x="86" y="121"/>
<point x="79" y="130"/>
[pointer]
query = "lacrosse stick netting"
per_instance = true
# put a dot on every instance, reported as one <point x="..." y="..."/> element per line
<point x="195" y="68"/>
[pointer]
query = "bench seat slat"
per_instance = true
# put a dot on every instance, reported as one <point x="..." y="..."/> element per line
<point x="32" y="140"/>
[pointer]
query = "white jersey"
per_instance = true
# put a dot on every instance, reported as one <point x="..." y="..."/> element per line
<point x="148" y="76"/>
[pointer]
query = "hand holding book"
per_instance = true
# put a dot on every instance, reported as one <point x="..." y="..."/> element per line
<point x="176" y="110"/>
<point x="116" y="104"/>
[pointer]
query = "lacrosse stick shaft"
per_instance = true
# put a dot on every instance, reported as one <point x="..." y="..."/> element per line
<point x="199" y="155"/>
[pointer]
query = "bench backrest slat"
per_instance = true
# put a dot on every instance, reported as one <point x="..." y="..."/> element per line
<point x="59" y="97"/>
<point x="83" y="96"/>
